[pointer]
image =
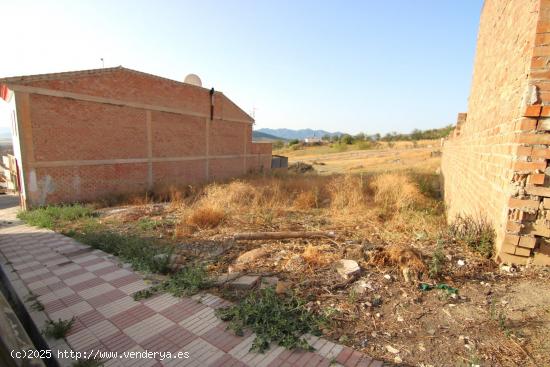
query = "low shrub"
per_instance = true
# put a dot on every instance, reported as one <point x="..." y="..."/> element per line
<point x="478" y="234"/>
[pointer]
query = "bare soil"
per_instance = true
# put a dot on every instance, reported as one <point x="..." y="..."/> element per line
<point x="498" y="318"/>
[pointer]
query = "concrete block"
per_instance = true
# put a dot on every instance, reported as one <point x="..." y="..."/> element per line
<point x="245" y="282"/>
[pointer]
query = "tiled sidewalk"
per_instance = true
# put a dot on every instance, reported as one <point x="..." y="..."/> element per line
<point x="72" y="279"/>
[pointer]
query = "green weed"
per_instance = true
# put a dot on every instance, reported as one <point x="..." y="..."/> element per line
<point x="438" y="258"/>
<point x="146" y="293"/>
<point x="52" y="216"/>
<point x="36" y="305"/>
<point x="147" y="224"/>
<point x="273" y="319"/>
<point x="144" y="254"/>
<point x="57" y="329"/>
<point x="186" y="282"/>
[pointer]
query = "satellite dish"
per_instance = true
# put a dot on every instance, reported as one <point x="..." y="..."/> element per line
<point x="193" y="79"/>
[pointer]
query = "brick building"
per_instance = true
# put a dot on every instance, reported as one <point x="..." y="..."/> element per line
<point x="84" y="135"/>
<point x="495" y="164"/>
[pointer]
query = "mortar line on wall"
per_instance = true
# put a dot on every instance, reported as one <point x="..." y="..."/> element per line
<point x="137" y="160"/>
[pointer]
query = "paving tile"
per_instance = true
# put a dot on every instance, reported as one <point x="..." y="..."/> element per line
<point x="82" y="340"/>
<point x="96" y="291"/>
<point x="182" y="310"/>
<point x="118" y="342"/>
<point x="115" y="307"/>
<point x="134" y="287"/>
<point x="60" y="270"/>
<point x="201" y="322"/>
<point x="148" y="327"/>
<point x="223" y="339"/>
<point x="161" y="302"/>
<point x="63" y="292"/>
<point x="105" y="298"/>
<point x="227" y="360"/>
<point x="242" y="348"/>
<point x="83" y="258"/>
<point x="328" y="350"/>
<point x="116" y="275"/>
<point x="103" y="264"/>
<point x="106" y="270"/>
<point x="72" y="279"/>
<point x="82" y="277"/>
<point x="87" y="284"/>
<point x="90" y="318"/>
<point x="132" y="316"/>
<point x="179" y="336"/>
<point x="103" y="329"/>
<point x="201" y="353"/>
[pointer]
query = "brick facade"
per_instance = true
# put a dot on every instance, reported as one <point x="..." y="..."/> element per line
<point x="90" y="134"/>
<point x="494" y="162"/>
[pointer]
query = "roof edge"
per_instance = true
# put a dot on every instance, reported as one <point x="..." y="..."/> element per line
<point x="64" y="74"/>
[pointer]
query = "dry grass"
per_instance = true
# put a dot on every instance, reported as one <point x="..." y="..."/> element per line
<point x="317" y="255"/>
<point x="347" y="192"/>
<point x="205" y="217"/>
<point x="306" y="200"/>
<point x="394" y="192"/>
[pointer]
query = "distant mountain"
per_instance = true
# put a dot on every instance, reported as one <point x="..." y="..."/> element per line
<point x="297" y="134"/>
<point x="258" y="135"/>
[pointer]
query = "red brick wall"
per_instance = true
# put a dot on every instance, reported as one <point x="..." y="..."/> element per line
<point x="485" y="162"/>
<point x="142" y="132"/>
<point x="69" y="130"/>
<point x="168" y="130"/>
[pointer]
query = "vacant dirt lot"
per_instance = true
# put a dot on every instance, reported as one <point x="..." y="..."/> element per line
<point x="423" y="294"/>
<point x="423" y="155"/>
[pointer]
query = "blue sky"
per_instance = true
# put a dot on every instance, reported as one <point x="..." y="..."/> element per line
<point x="370" y="66"/>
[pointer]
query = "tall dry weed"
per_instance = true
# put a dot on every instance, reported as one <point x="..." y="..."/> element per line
<point x="347" y="192"/>
<point x="396" y="191"/>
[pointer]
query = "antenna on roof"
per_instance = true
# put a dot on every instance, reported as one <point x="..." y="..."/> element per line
<point x="102" y="63"/>
<point x="193" y="79"/>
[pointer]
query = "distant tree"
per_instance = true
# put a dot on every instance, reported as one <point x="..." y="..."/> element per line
<point x="416" y="134"/>
<point x="293" y="142"/>
<point x="360" y="136"/>
<point x="326" y="137"/>
<point x="278" y="144"/>
<point x="346" y="139"/>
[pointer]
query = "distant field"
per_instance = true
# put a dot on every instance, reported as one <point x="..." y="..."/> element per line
<point x="402" y="155"/>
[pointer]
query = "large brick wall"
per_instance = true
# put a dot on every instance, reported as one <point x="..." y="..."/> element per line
<point x="495" y="159"/>
<point x="87" y="135"/>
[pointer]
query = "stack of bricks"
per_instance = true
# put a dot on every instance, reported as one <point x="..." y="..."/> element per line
<point x="494" y="164"/>
<point x="528" y="226"/>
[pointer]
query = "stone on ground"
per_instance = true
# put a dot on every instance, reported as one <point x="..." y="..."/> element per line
<point x="347" y="268"/>
<point x="245" y="282"/>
